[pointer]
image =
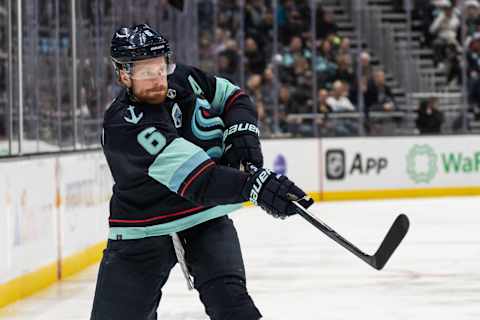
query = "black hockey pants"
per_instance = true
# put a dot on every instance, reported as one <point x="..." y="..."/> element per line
<point x="133" y="272"/>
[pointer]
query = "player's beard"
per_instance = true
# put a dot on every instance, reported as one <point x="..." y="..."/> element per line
<point x="152" y="96"/>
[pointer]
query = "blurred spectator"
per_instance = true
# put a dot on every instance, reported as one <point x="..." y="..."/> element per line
<point x="324" y="67"/>
<point x="256" y="61"/>
<point x="336" y="42"/>
<point x="205" y="14"/>
<point x="254" y="84"/>
<point x="253" y="87"/>
<point x="281" y="16"/>
<point x="445" y="28"/>
<point x="452" y="63"/>
<point x="365" y="69"/>
<point x="284" y="107"/>
<point x="296" y="15"/>
<point x="228" y="16"/>
<point x="255" y="11"/>
<point x="339" y="101"/>
<point x="345" y="47"/>
<point x="221" y="38"/>
<point x="226" y="68"/>
<point x="379" y="96"/>
<point x="206" y="51"/>
<point x="268" y="88"/>
<point x="325" y="24"/>
<point x="259" y="24"/>
<point x="228" y="61"/>
<point x="344" y="69"/>
<point x="294" y="51"/>
<point x="429" y="119"/>
<point x="473" y="72"/>
<point x="302" y="87"/>
<point x="284" y="101"/>
<point x="472" y="16"/>
<point x="322" y="103"/>
<point x="293" y="58"/>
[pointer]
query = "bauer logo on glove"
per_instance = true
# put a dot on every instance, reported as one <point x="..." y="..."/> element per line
<point x="274" y="194"/>
<point x="257" y="186"/>
<point x="239" y="128"/>
<point x="242" y="145"/>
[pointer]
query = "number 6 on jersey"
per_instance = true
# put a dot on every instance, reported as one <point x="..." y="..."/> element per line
<point x="151" y="140"/>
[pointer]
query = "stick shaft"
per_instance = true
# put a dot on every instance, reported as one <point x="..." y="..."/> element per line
<point x="332" y="234"/>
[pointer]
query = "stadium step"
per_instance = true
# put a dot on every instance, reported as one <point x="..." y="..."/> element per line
<point x="345" y="25"/>
<point x="475" y="126"/>
<point x="394" y="18"/>
<point x="335" y="9"/>
<point x="380" y="3"/>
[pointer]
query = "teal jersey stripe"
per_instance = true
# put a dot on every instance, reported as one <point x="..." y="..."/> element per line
<point x="223" y="91"/>
<point x="129" y="233"/>
<point x="185" y="169"/>
<point x="172" y="166"/>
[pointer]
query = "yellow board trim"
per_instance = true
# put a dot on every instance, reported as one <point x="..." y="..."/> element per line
<point x="30" y="283"/>
<point x="391" y="194"/>
<point x="399" y="193"/>
<point x="27" y="284"/>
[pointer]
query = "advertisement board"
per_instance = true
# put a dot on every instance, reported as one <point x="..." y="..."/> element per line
<point x="85" y="187"/>
<point x="296" y="158"/>
<point x="28" y="212"/>
<point x="396" y="164"/>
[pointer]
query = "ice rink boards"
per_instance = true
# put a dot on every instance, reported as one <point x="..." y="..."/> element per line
<point x="295" y="272"/>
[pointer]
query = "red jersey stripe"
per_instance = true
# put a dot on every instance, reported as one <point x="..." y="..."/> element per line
<point x="195" y="176"/>
<point x="159" y="217"/>
<point x="232" y="99"/>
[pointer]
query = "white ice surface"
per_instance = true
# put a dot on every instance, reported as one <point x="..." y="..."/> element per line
<point x="295" y="272"/>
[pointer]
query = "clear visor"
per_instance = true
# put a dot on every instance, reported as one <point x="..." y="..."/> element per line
<point x="151" y="69"/>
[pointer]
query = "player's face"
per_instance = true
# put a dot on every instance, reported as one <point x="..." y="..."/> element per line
<point x="149" y="80"/>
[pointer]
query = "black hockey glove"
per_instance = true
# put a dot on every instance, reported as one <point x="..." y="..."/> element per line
<point x="275" y="194"/>
<point x="242" y="145"/>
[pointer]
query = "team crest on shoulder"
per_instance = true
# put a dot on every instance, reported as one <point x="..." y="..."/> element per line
<point x="133" y="117"/>
<point x="177" y="115"/>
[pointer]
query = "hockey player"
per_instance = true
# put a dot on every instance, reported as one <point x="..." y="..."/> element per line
<point x="164" y="142"/>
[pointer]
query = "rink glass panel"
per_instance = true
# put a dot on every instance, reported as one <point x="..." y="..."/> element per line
<point x="54" y="99"/>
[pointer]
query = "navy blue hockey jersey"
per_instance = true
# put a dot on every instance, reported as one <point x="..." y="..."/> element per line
<point x="163" y="158"/>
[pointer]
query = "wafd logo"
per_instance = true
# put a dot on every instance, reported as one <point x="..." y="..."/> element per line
<point x="422" y="163"/>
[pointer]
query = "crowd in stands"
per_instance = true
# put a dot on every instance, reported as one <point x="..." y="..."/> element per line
<point x="280" y="76"/>
<point x="281" y="83"/>
<point x="442" y="28"/>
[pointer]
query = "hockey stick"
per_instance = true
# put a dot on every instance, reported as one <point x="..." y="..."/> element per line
<point x="397" y="232"/>
<point x="395" y="235"/>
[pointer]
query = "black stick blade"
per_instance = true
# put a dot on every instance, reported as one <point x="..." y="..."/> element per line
<point x="395" y="235"/>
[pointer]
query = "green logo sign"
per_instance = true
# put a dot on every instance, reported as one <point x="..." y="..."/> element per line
<point x="422" y="163"/>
